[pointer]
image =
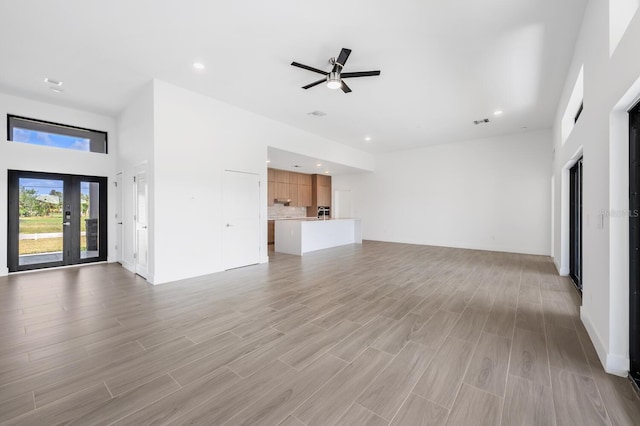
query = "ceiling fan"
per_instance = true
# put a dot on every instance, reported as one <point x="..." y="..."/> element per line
<point x="335" y="78"/>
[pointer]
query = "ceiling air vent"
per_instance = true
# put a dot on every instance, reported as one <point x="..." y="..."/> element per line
<point x="317" y="113"/>
<point x="481" y="121"/>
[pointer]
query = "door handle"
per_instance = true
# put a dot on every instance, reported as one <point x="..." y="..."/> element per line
<point x="229" y="225"/>
<point x="119" y="223"/>
<point x="66" y="223"/>
<point x="144" y="227"/>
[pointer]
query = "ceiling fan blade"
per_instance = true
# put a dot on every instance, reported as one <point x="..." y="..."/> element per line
<point x="345" y="88"/>
<point x="315" y="83"/>
<point x="359" y="74"/>
<point x="343" y="56"/>
<point x="307" y="67"/>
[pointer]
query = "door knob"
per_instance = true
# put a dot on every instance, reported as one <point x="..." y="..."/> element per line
<point x="66" y="223"/>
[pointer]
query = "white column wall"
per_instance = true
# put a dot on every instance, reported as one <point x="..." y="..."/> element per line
<point x="599" y="135"/>
<point x="136" y="138"/>
<point x="195" y="139"/>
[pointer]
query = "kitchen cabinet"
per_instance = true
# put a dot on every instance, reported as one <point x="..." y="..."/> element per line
<point x="271" y="231"/>
<point x="282" y="176"/>
<point x="282" y="190"/>
<point x="320" y="193"/>
<point x="324" y="196"/>
<point x="304" y="179"/>
<point x="293" y="194"/>
<point x="296" y="187"/>
<point x="271" y="193"/>
<point x="304" y="195"/>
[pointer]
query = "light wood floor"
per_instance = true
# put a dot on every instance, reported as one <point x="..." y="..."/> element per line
<point x="375" y="334"/>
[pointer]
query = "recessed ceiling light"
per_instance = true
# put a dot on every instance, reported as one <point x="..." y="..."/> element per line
<point x="326" y="172"/>
<point x="268" y="161"/>
<point x="56" y="89"/>
<point x="52" y="81"/>
<point x="497" y="112"/>
<point x="318" y="164"/>
<point x="198" y="65"/>
<point x="367" y="139"/>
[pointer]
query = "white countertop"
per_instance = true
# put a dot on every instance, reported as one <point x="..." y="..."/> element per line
<point x="293" y="218"/>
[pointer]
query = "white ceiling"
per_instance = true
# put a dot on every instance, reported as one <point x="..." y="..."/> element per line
<point x="444" y="63"/>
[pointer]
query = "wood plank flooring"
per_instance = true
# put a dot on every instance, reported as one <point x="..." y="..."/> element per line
<point x="377" y="334"/>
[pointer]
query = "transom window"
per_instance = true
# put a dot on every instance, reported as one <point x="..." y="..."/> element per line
<point x="38" y="132"/>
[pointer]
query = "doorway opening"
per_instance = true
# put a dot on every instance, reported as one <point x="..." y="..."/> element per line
<point x="575" y="224"/>
<point x="55" y="220"/>
<point x="634" y="243"/>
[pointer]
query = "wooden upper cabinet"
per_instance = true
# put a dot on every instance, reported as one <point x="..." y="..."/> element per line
<point x="282" y="176"/>
<point x="293" y="194"/>
<point x="304" y="195"/>
<point x="282" y="190"/>
<point x="304" y="179"/>
<point x="324" y="196"/>
<point x="297" y="187"/>
<point x="271" y="193"/>
<point x="324" y="180"/>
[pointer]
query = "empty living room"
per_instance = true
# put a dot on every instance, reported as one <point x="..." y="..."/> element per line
<point x="337" y="213"/>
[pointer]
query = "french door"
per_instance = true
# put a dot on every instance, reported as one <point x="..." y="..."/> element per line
<point x="55" y="220"/>
<point x="575" y="224"/>
<point x="634" y="243"/>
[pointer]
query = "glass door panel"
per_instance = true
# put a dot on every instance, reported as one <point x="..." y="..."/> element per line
<point x="41" y="225"/>
<point x="90" y="219"/>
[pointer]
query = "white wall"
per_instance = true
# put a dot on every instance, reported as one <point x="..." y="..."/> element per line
<point x="602" y="137"/>
<point x="135" y="136"/>
<point x="20" y="156"/>
<point x="490" y="194"/>
<point x="194" y="139"/>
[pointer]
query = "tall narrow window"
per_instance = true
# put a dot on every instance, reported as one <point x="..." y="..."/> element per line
<point x="37" y="132"/>
<point x="575" y="224"/>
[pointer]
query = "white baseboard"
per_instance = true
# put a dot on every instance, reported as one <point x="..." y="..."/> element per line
<point x="128" y="266"/>
<point x="612" y="363"/>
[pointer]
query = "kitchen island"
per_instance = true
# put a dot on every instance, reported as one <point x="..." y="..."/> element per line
<point x="303" y="236"/>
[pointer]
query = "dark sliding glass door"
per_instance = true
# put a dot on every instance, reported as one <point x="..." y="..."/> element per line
<point x="55" y="220"/>
<point x="575" y="224"/>
<point x="634" y="243"/>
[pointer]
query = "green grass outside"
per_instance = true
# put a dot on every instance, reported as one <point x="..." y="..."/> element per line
<point x="44" y="224"/>
<point x="46" y="245"/>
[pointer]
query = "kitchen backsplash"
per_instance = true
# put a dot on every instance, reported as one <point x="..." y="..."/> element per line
<point x="280" y="210"/>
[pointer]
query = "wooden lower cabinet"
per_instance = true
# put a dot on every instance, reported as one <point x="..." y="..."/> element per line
<point x="271" y="231"/>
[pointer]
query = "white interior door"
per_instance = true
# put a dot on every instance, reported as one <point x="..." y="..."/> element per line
<point x="241" y="219"/>
<point x="119" y="216"/>
<point x="141" y="224"/>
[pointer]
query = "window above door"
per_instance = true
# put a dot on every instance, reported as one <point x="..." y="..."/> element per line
<point x="45" y="133"/>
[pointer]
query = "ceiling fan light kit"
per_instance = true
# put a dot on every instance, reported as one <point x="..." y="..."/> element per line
<point x="333" y="81"/>
<point x="334" y="78"/>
